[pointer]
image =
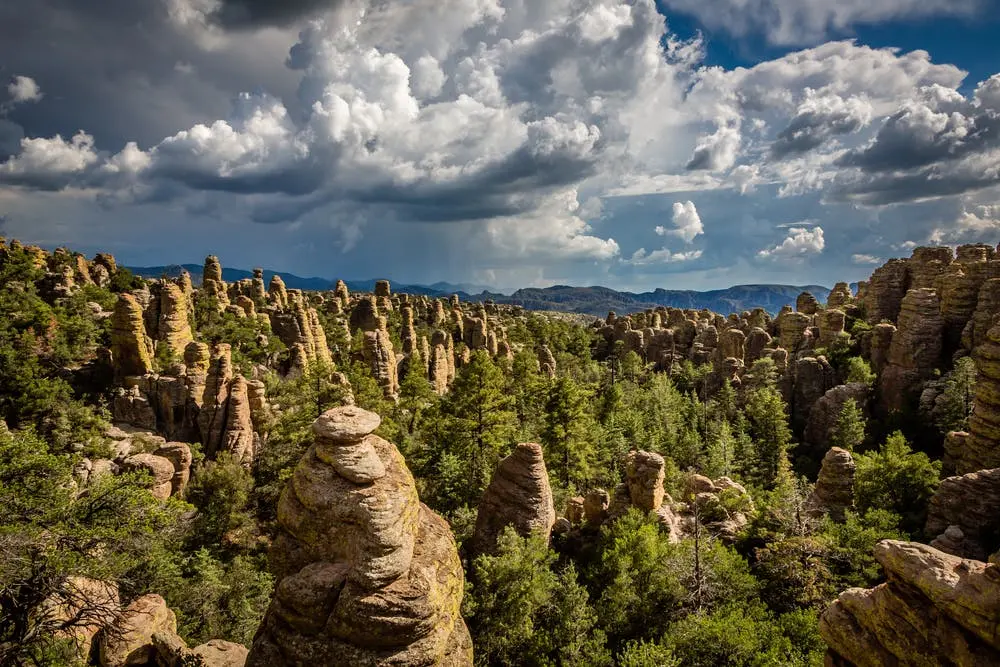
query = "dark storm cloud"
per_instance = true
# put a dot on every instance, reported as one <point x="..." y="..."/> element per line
<point x="916" y="137"/>
<point x="811" y="128"/>
<point x="123" y="70"/>
<point x="258" y="13"/>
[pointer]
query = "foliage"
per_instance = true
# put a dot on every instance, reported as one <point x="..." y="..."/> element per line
<point x="897" y="479"/>
<point x="849" y="430"/>
<point x="50" y="535"/>
<point x="521" y="611"/>
<point x="953" y="407"/>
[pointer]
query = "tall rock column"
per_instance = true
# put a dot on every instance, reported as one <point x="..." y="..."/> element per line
<point x="174" y="330"/>
<point x="519" y="495"/>
<point x="367" y="575"/>
<point x="982" y="447"/>
<point x="915" y="351"/>
<point x="131" y="348"/>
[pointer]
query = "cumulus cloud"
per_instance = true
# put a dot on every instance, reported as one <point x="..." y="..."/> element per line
<point x="819" y="118"/>
<point x="662" y="256"/>
<point x="808" y="21"/>
<point x="686" y="222"/>
<point x="973" y="224"/>
<point x="24" y="89"/>
<point x="801" y="242"/>
<point x="865" y="259"/>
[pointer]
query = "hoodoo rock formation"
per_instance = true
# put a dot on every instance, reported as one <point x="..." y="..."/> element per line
<point x="915" y="351"/>
<point x="367" y="575"/>
<point x="982" y="447"/>
<point x="131" y="348"/>
<point x="519" y="495"/>
<point x="834" y="490"/>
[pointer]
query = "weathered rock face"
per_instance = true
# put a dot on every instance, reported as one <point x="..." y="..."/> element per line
<point x="212" y="416"/>
<point x="839" y="296"/>
<point x="132" y="641"/>
<point x="438" y="369"/>
<point x="644" y="474"/>
<point x="806" y="304"/>
<point x="380" y="356"/>
<point x="791" y="330"/>
<point x="825" y="412"/>
<point x="915" y="351"/>
<point x="927" y="264"/>
<point x="174" y="330"/>
<point x="179" y="455"/>
<point x="834" y="490"/>
<point x="881" y="341"/>
<point x="813" y="378"/>
<point x="519" y="495"/>
<point x="935" y="609"/>
<point x="987" y="307"/>
<point x="982" y="447"/>
<point x="959" y="290"/>
<point x="212" y="270"/>
<point x="278" y="292"/>
<point x="367" y="575"/>
<point x="972" y="503"/>
<point x="298" y="324"/>
<point x="365" y="315"/>
<point x="131" y="348"/>
<point x="831" y="325"/>
<point x="885" y="291"/>
<point x="239" y="438"/>
<point x="595" y="506"/>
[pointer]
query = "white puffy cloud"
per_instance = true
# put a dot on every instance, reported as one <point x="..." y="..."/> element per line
<point x="662" y="256"/>
<point x="686" y="222"/>
<point x="47" y="164"/>
<point x="865" y="259"/>
<point x="808" y="21"/>
<point x="801" y="242"/>
<point x="24" y="89"/>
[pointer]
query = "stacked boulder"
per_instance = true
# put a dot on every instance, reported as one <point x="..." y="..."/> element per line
<point x="367" y="575"/>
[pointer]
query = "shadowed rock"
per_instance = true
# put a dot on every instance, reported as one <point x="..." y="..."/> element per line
<point x="519" y="495"/>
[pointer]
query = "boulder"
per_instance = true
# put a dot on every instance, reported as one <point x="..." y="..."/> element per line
<point x="129" y="641"/>
<point x="644" y="474"/>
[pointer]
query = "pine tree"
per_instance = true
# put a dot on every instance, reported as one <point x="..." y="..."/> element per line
<point x="480" y="421"/>
<point x="849" y="431"/>
<point x="565" y="431"/>
<point x="768" y="423"/>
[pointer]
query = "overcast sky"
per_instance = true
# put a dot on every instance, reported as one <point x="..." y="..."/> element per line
<point x="628" y="143"/>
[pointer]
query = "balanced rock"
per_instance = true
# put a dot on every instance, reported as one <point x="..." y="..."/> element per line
<point x="519" y="495"/>
<point x="367" y="575"/>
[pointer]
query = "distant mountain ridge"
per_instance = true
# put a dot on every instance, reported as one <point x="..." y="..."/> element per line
<point x="594" y="300"/>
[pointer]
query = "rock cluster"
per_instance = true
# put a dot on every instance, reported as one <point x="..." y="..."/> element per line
<point x="367" y="575"/>
<point x="145" y="633"/>
<point x="519" y="495"/>
<point x="935" y="609"/>
<point x="971" y="503"/>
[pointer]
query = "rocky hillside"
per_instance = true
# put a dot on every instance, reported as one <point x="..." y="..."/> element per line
<point x="595" y="301"/>
<point x="226" y="470"/>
